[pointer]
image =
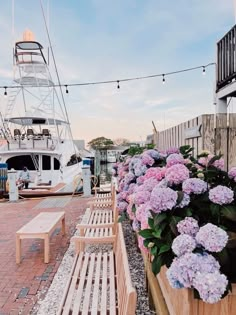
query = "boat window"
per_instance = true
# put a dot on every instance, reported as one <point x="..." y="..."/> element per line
<point x="56" y="164"/>
<point x="38" y="121"/>
<point x="18" y="162"/>
<point x="46" y="162"/>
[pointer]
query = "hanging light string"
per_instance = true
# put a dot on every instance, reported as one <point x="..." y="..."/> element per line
<point x="163" y="75"/>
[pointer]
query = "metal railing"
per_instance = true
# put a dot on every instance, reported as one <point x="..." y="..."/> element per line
<point x="226" y="59"/>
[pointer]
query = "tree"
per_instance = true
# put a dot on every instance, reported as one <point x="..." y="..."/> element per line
<point x="121" y="141"/>
<point x="100" y="143"/>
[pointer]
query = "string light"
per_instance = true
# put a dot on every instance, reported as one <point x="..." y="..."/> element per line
<point x="5" y="93"/>
<point x="163" y="79"/>
<point x="163" y="75"/>
<point x="203" y="70"/>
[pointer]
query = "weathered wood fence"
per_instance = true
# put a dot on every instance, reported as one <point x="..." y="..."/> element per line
<point x="214" y="133"/>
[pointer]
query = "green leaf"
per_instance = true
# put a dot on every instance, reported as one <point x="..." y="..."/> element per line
<point x="164" y="248"/>
<point x="153" y="250"/>
<point x="157" y="233"/>
<point x="215" y="210"/>
<point x="180" y="197"/>
<point x="151" y="223"/>
<point x="146" y="242"/>
<point x="147" y="233"/>
<point x="223" y="257"/>
<point x="158" y="218"/>
<point x="133" y="209"/>
<point x="122" y="217"/>
<point x="173" y="223"/>
<point x="156" y="264"/>
<point x="229" y="212"/>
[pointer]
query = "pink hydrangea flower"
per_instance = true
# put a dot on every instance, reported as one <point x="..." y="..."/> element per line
<point x="183" y="244"/>
<point x="195" y="186"/>
<point x="221" y="195"/>
<point x="212" y="238"/>
<point x="232" y="173"/>
<point x="174" y="158"/>
<point x="163" y="199"/>
<point x="156" y="172"/>
<point x="147" y="160"/>
<point x="188" y="226"/>
<point x="176" y="174"/>
<point x="172" y="150"/>
<point x="211" y="286"/>
<point x="141" y="197"/>
<point x="130" y="212"/>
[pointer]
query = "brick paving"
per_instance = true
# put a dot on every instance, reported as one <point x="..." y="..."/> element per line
<point x="21" y="285"/>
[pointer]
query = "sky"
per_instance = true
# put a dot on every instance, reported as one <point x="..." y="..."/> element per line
<point x="99" y="40"/>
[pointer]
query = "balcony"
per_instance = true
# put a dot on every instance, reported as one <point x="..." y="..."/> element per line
<point x="226" y="60"/>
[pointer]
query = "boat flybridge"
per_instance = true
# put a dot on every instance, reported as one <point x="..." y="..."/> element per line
<point x="35" y="131"/>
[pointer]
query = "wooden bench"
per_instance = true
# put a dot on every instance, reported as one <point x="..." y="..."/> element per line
<point x="100" y="283"/>
<point x="103" y="200"/>
<point x="42" y="227"/>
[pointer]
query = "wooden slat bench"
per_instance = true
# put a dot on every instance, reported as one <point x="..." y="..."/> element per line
<point x="42" y="227"/>
<point x="103" y="200"/>
<point x="99" y="223"/>
<point x="100" y="283"/>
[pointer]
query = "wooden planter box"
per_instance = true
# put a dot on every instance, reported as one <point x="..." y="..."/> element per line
<point x="182" y="302"/>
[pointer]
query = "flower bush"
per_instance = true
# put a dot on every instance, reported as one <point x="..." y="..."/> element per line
<point x="184" y="210"/>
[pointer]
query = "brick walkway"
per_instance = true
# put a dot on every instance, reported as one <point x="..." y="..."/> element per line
<point x="21" y="285"/>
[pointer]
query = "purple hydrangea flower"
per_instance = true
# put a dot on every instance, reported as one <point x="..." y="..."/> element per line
<point x="172" y="150"/>
<point x="140" y="180"/>
<point x="174" y="158"/>
<point x="195" y="186"/>
<point x="184" y="202"/>
<point x="183" y="244"/>
<point x="221" y="195"/>
<point x="211" y="286"/>
<point x="136" y="225"/>
<point x="163" y="199"/>
<point x="188" y="226"/>
<point x="153" y="153"/>
<point x="139" y="169"/>
<point x="147" y="160"/>
<point x="141" y="197"/>
<point x="212" y="238"/>
<point x="129" y="177"/>
<point x="122" y="206"/>
<point x="184" y="269"/>
<point x="149" y="184"/>
<point x="232" y="173"/>
<point x="176" y="174"/>
<point x="131" y="188"/>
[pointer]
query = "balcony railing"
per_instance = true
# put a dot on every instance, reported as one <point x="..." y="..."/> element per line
<point x="226" y="59"/>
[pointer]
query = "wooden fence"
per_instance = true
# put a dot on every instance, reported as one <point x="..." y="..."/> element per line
<point x="214" y="133"/>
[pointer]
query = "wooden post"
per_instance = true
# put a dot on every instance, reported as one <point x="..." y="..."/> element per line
<point x="221" y="136"/>
<point x="232" y="141"/>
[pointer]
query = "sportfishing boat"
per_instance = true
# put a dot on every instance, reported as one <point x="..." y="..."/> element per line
<point x="35" y="130"/>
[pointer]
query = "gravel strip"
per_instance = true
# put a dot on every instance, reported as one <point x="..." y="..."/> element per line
<point x="50" y="303"/>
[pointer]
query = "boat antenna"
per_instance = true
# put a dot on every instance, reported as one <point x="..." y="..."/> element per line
<point x="57" y="73"/>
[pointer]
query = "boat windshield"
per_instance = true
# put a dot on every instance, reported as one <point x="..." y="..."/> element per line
<point x="29" y="45"/>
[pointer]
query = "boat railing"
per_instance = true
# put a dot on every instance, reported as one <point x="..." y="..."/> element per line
<point x="34" y="143"/>
<point x="27" y="57"/>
